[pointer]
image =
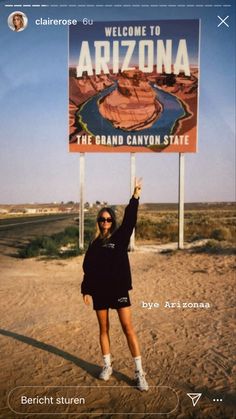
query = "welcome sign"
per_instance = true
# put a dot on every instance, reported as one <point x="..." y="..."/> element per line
<point x="133" y="86"/>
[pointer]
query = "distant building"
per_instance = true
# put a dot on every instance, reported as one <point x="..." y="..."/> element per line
<point x="30" y="211"/>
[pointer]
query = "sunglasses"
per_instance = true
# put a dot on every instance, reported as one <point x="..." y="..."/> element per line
<point x="103" y="219"/>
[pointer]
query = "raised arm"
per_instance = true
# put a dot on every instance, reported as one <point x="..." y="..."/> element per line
<point x="130" y="215"/>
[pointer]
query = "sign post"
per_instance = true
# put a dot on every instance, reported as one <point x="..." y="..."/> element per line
<point x="81" y="203"/>
<point x="181" y="201"/>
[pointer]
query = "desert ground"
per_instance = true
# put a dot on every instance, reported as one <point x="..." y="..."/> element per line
<point x="49" y="339"/>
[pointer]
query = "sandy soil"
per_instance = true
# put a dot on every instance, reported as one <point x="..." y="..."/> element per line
<point x="49" y="338"/>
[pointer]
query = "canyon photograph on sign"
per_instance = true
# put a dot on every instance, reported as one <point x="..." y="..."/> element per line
<point x="133" y="86"/>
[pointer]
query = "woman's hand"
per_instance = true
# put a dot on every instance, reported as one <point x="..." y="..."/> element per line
<point x="137" y="187"/>
<point x="86" y="299"/>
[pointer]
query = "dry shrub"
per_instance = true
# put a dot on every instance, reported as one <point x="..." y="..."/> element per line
<point x="146" y="229"/>
<point x="201" y="221"/>
<point x="222" y="233"/>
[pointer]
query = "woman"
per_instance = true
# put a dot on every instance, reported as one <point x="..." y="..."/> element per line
<point x="107" y="279"/>
<point x="18" y="22"/>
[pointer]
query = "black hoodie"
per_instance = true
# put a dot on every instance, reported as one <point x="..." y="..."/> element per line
<point x="106" y="263"/>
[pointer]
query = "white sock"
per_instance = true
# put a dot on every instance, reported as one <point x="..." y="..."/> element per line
<point x="138" y="364"/>
<point x="107" y="360"/>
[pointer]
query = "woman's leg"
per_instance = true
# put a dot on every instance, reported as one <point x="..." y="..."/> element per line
<point x="126" y="323"/>
<point x="125" y="319"/>
<point x="103" y="320"/>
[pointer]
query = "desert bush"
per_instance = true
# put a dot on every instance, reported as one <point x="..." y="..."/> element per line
<point x="52" y="246"/>
<point x="32" y="249"/>
<point x="49" y="247"/>
<point x="222" y="233"/>
<point x="216" y="247"/>
<point x="72" y="231"/>
<point x="29" y="251"/>
<point x="146" y="229"/>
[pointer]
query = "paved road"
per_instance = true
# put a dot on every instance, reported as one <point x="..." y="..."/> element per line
<point x="16" y="232"/>
<point x="20" y="221"/>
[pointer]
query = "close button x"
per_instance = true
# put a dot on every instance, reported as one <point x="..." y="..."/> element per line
<point x="223" y="20"/>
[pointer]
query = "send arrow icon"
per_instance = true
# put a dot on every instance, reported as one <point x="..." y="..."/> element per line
<point x="194" y="397"/>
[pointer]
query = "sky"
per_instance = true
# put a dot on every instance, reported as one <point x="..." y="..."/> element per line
<point x="35" y="165"/>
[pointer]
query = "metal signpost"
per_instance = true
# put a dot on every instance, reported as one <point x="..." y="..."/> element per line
<point x="181" y="201"/>
<point x="81" y="204"/>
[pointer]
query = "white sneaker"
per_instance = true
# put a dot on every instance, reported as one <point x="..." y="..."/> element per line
<point x="141" y="382"/>
<point x="106" y="373"/>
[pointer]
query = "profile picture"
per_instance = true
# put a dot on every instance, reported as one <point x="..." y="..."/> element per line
<point x="17" y="21"/>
